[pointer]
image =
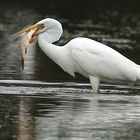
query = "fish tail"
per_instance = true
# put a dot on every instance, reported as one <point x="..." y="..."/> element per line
<point x="26" y="50"/>
<point x="22" y="63"/>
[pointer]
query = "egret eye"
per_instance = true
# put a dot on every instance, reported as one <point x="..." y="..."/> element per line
<point x="41" y="26"/>
<point x="40" y="29"/>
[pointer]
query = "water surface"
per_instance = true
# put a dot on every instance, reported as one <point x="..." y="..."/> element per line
<point x="44" y="103"/>
<point x="68" y="111"/>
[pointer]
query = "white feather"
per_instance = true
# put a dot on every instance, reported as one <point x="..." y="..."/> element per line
<point x="90" y="58"/>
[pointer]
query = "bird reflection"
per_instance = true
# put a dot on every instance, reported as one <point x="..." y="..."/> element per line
<point x="26" y="123"/>
<point x="51" y="117"/>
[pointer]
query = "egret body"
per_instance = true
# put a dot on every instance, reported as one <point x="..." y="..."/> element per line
<point x="90" y="58"/>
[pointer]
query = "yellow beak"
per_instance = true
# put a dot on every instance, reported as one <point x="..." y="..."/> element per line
<point x="26" y="30"/>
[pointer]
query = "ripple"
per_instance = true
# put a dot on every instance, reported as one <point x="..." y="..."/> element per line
<point x="40" y="87"/>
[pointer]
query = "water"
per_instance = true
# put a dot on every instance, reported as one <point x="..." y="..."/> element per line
<point x="44" y="103"/>
<point x="34" y="110"/>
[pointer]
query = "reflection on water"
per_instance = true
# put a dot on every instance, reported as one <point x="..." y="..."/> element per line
<point x="32" y="110"/>
<point x="25" y="120"/>
<point x="73" y="114"/>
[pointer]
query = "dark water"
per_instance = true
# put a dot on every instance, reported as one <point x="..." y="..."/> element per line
<point x="44" y="103"/>
<point x="33" y="110"/>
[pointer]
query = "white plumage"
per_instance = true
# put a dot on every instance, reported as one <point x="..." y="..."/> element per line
<point x="90" y="58"/>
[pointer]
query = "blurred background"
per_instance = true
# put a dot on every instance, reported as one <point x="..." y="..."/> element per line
<point x="112" y="22"/>
<point x="34" y="110"/>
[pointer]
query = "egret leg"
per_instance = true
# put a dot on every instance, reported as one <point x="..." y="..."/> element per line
<point x="94" y="83"/>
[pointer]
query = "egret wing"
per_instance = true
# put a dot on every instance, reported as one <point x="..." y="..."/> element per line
<point x="101" y="61"/>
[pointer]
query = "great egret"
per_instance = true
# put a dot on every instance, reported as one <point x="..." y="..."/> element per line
<point x="90" y="58"/>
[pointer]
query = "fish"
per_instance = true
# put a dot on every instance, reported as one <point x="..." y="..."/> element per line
<point x="27" y="39"/>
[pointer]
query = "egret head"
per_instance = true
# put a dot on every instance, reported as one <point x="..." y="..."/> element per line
<point x="49" y="24"/>
<point x="49" y="29"/>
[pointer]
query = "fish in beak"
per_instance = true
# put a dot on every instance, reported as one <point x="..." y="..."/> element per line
<point x="28" y="37"/>
<point x="27" y="29"/>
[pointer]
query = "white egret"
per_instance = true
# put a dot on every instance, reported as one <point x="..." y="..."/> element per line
<point x="90" y="58"/>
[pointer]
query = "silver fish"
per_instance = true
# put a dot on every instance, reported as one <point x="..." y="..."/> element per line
<point x="27" y="39"/>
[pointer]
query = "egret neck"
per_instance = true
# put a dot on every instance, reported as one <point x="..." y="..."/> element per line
<point x="60" y="55"/>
